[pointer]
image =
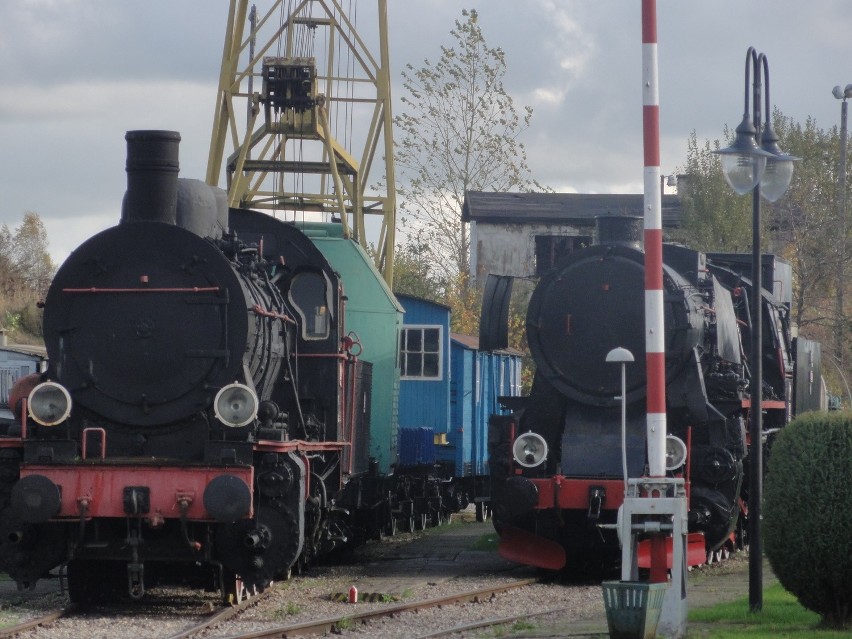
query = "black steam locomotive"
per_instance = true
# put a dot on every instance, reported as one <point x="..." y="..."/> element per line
<point x="203" y="403"/>
<point x="556" y="463"/>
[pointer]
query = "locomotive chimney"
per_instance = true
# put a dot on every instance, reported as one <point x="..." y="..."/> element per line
<point x="626" y="230"/>
<point x="152" y="171"/>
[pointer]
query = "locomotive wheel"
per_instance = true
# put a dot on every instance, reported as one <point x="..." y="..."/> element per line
<point x="409" y="524"/>
<point x="279" y="547"/>
<point x="91" y="582"/>
<point x="234" y="591"/>
<point x="421" y="521"/>
<point x="81" y="586"/>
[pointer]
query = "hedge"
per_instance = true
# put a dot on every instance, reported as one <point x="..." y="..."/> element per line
<point x="807" y="513"/>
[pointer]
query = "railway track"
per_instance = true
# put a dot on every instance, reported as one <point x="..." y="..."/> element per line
<point x="46" y="619"/>
<point x="426" y="571"/>
<point x="216" y="617"/>
<point x="314" y="627"/>
<point x="338" y="623"/>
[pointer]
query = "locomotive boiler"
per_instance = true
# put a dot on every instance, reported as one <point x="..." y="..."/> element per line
<point x="557" y="463"/>
<point x="202" y="403"/>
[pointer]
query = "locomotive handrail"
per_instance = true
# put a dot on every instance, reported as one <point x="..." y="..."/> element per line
<point x="323" y="355"/>
<point x="259" y="310"/>
<point x="300" y="445"/>
<point x="189" y="289"/>
<point x="24" y="407"/>
<point x="102" y="433"/>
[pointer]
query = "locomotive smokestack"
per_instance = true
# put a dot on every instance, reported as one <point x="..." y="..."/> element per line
<point x="152" y="171"/>
<point x="625" y="230"/>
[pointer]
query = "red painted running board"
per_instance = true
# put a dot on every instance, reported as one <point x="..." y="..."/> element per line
<point x="696" y="552"/>
<point x="527" y="548"/>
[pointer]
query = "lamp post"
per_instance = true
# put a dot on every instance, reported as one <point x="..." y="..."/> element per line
<point x="841" y="94"/>
<point x="622" y="356"/>
<point x="765" y="171"/>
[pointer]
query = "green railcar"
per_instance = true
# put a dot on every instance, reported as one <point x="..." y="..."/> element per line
<point x="374" y="316"/>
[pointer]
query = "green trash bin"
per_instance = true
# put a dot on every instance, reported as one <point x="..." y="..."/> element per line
<point x="633" y="608"/>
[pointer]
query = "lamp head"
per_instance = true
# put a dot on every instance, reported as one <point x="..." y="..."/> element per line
<point x="619" y="355"/>
<point x="49" y="404"/>
<point x="235" y="405"/>
<point x="529" y="450"/>
<point x="743" y="162"/>
<point x="842" y="94"/>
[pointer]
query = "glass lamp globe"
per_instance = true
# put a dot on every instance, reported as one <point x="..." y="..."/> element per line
<point x="779" y="166"/>
<point x="743" y="171"/>
<point x="776" y="178"/>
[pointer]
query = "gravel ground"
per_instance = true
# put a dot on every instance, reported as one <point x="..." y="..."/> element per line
<point x="399" y="563"/>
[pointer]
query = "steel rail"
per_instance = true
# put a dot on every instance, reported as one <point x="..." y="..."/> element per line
<point x="220" y="615"/>
<point x="11" y="631"/>
<point x="332" y="623"/>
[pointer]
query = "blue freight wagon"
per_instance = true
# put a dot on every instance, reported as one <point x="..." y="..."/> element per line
<point x="448" y="389"/>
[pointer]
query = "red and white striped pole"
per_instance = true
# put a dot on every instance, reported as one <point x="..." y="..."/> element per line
<point x="654" y="326"/>
<point x="655" y="346"/>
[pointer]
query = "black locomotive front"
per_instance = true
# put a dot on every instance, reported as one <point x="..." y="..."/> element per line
<point x="175" y="426"/>
<point x="556" y="465"/>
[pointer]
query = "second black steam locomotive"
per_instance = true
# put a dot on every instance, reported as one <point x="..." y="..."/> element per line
<point x="556" y="463"/>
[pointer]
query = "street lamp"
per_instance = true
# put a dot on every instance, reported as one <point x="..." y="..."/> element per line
<point x="622" y="356"/>
<point x="841" y="94"/>
<point x="765" y="171"/>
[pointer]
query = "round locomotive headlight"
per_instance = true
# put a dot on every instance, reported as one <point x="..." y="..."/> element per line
<point x="49" y="404"/>
<point x="675" y="452"/>
<point x="235" y="405"/>
<point x="529" y="450"/>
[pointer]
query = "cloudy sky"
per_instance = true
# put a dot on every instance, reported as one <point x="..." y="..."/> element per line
<point x="76" y="74"/>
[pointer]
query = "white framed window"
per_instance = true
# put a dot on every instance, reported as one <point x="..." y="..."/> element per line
<point x="421" y="352"/>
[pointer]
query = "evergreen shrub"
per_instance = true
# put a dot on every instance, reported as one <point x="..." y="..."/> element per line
<point x="807" y="513"/>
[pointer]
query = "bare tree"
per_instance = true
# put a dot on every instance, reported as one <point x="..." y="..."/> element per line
<point x="459" y="133"/>
<point x="25" y="274"/>
<point x="30" y="255"/>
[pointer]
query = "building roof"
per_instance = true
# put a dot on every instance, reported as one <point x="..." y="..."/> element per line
<point x="401" y="297"/>
<point x="582" y="208"/>
<point x="471" y="342"/>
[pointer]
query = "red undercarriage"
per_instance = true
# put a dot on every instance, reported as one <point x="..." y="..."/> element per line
<point x="564" y="493"/>
<point x="95" y="489"/>
<point x="98" y="491"/>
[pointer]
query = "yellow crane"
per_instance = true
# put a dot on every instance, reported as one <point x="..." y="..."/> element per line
<point x="303" y="122"/>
